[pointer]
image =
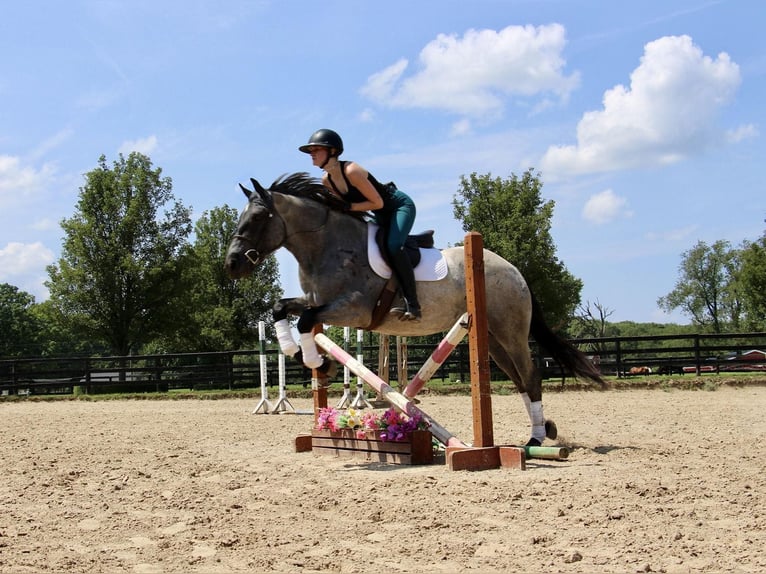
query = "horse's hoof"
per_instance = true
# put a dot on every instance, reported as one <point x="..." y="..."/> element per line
<point x="533" y="442"/>
<point x="328" y="368"/>
<point x="550" y="430"/>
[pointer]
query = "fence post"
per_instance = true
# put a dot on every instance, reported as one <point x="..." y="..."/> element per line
<point x="697" y="355"/>
<point x="618" y="359"/>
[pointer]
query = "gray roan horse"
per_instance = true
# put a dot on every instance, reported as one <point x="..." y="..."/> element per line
<point x="340" y="288"/>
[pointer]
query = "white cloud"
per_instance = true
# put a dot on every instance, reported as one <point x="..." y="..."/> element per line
<point x="366" y="115"/>
<point x="679" y="234"/>
<point x="604" y="207"/>
<point x="461" y="127"/>
<point x="473" y="75"/>
<point x="666" y="114"/>
<point x="23" y="265"/>
<point x="143" y="146"/>
<point x="45" y="224"/>
<point x="18" y="179"/>
<point x="744" y="132"/>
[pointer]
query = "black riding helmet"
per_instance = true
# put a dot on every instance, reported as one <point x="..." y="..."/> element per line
<point x="324" y="138"/>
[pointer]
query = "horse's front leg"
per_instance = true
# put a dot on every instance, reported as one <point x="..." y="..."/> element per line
<point x="309" y="352"/>
<point x="283" y="308"/>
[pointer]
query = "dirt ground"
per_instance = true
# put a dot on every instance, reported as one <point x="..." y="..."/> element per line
<point x="657" y="481"/>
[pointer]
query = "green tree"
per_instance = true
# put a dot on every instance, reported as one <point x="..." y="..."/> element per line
<point x="117" y="278"/>
<point x="515" y="223"/>
<point x="752" y="283"/>
<point x="222" y="314"/>
<point x="706" y="288"/>
<point x="18" y="325"/>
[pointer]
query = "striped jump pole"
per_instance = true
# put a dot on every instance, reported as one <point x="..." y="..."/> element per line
<point x="447" y="345"/>
<point x="397" y="400"/>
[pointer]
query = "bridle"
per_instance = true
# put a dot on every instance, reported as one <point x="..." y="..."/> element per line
<point x="252" y="254"/>
<point x="255" y="260"/>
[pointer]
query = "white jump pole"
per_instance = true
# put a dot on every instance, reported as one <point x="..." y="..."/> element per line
<point x="397" y="400"/>
<point x="345" y="400"/>
<point x="264" y="404"/>
<point x="360" y="401"/>
<point x="283" y="405"/>
<point x="447" y="345"/>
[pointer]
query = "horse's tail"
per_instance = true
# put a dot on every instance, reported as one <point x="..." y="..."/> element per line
<point x="567" y="355"/>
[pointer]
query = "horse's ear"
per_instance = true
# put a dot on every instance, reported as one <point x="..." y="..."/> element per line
<point x="258" y="187"/>
<point x="246" y="191"/>
<point x="263" y="192"/>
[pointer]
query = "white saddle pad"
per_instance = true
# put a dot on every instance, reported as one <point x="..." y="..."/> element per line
<point x="432" y="266"/>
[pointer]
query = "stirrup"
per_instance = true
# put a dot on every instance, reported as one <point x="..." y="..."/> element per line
<point x="412" y="314"/>
<point x="398" y="310"/>
<point x="406" y="312"/>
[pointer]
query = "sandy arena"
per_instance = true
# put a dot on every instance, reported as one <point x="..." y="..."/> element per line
<point x="657" y="481"/>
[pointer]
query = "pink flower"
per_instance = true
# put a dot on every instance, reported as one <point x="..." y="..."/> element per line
<point x="328" y="419"/>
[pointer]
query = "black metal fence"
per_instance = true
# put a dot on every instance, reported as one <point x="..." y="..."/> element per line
<point x="616" y="356"/>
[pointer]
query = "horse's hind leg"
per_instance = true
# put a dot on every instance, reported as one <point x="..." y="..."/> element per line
<point x="522" y="371"/>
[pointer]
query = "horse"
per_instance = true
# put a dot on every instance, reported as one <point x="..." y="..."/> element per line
<point x="341" y="288"/>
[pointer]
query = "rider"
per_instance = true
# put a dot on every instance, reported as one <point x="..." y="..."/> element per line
<point x="393" y="209"/>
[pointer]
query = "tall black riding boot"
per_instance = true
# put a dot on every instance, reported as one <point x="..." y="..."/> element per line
<point x="402" y="269"/>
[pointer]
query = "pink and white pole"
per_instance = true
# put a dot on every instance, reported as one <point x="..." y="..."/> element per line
<point x="397" y="400"/>
<point x="447" y="345"/>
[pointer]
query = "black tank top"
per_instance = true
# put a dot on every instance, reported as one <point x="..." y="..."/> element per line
<point x="355" y="196"/>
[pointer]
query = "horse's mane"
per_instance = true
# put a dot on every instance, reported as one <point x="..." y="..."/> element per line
<point x="299" y="184"/>
<point x="303" y="185"/>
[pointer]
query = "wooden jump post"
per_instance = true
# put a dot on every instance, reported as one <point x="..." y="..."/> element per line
<point x="483" y="454"/>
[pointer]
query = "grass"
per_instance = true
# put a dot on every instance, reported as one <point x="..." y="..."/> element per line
<point x="706" y="382"/>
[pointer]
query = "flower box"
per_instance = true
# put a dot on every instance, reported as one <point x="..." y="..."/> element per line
<point x="417" y="448"/>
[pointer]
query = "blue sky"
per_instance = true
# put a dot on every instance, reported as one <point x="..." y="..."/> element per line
<point x="644" y="119"/>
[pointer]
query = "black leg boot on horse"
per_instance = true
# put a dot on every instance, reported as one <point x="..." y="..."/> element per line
<point x="402" y="268"/>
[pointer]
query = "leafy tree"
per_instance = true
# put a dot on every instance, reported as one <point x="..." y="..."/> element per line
<point x="706" y="287"/>
<point x="56" y="338"/>
<point x="18" y="325"/>
<point x="222" y="314"/>
<point x="117" y="277"/>
<point x="515" y="223"/>
<point x="752" y="283"/>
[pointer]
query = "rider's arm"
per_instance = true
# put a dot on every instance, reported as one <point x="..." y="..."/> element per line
<point x="357" y="175"/>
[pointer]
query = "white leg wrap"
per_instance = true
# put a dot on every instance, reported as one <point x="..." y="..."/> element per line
<point x="285" y="337"/>
<point x="311" y="356"/>
<point x="527" y="404"/>
<point x="538" y="421"/>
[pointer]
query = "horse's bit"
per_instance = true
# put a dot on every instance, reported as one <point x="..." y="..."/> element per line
<point x="249" y="253"/>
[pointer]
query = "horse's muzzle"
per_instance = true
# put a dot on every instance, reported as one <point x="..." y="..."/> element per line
<point x="237" y="266"/>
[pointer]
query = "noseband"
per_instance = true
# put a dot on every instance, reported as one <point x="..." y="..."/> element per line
<point x="252" y="254"/>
